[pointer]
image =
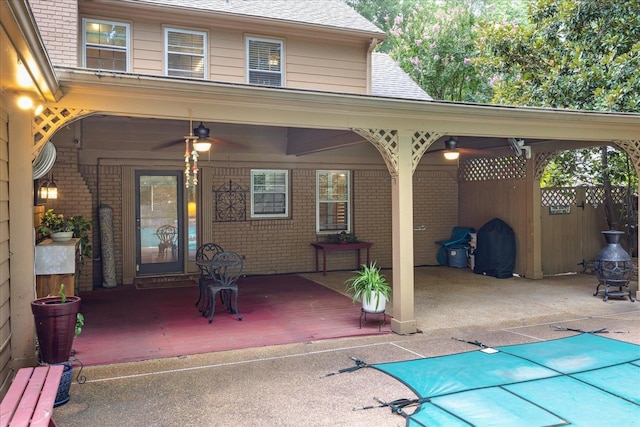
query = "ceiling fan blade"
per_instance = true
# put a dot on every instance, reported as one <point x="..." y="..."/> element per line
<point x="168" y="144"/>
<point x="473" y="152"/>
<point x="224" y="143"/>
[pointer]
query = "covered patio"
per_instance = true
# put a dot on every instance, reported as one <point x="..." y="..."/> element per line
<point x="126" y="325"/>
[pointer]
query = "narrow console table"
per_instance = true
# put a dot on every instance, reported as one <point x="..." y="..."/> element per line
<point x="329" y="247"/>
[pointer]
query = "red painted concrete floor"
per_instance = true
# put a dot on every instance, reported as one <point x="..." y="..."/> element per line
<point x="125" y="324"/>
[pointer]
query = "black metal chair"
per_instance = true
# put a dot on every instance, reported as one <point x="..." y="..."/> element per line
<point x="167" y="234"/>
<point x="204" y="255"/>
<point x="224" y="271"/>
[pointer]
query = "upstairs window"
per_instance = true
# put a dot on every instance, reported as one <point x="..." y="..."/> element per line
<point x="106" y="45"/>
<point x="333" y="201"/>
<point x="185" y="53"/>
<point x="269" y="193"/>
<point x="264" y="62"/>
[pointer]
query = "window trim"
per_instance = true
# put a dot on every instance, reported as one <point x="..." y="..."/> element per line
<point x="286" y="193"/>
<point x="349" y="200"/>
<point x="248" y="68"/>
<point x="127" y="49"/>
<point x="205" y="50"/>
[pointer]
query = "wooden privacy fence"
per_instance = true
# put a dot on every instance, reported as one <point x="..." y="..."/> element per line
<point x="572" y="223"/>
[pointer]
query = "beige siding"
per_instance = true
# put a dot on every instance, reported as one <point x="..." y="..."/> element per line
<point x="315" y="64"/>
<point x="5" y="309"/>
<point x="227" y="56"/>
<point x="320" y="65"/>
<point x="147" y="48"/>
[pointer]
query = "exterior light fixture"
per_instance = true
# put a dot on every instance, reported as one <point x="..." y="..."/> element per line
<point x="48" y="189"/>
<point x="450" y="152"/>
<point x="24" y="102"/>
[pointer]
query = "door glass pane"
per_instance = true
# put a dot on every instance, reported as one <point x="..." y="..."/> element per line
<point x="159" y="219"/>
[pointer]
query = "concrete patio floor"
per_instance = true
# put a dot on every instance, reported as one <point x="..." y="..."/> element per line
<point x="287" y="385"/>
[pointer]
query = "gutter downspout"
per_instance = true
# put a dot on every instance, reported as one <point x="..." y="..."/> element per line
<point x="372" y="45"/>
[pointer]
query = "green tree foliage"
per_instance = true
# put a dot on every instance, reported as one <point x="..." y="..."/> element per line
<point x="434" y="41"/>
<point x="435" y="48"/>
<point x="575" y="54"/>
<point x="381" y="13"/>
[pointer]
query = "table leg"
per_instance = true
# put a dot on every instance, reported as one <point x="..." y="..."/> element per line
<point x="324" y="262"/>
<point x="358" y="265"/>
<point x="316" y="260"/>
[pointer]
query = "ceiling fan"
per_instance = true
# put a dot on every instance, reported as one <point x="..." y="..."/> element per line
<point x="201" y="139"/>
<point x="452" y="151"/>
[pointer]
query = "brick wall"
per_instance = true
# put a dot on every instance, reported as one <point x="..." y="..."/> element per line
<point x="279" y="245"/>
<point x="59" y="31"/>
<point x="74" y="198"/>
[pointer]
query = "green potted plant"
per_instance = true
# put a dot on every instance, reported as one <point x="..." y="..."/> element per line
<point x="371" y="287"/>
<point x="342" y="237"/>
<point x="56" y="226"/>
<point x="61" y="228"/>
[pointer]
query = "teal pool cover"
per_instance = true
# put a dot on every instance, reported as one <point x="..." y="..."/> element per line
<point x="582" y="380"/>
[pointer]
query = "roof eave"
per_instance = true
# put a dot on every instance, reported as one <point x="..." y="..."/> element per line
<point x="125" y="94"/>
<point x="19" y="24"/>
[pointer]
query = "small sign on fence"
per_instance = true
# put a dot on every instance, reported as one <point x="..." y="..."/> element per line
<point x="559" y="210"/>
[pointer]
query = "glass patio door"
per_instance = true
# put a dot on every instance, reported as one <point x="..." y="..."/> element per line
<point x="159" y="226"/>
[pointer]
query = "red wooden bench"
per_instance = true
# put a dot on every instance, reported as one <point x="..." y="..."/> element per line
<point x="30" y="399"/>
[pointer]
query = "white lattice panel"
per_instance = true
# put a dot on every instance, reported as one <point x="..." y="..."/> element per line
<point x="493" y="168"/>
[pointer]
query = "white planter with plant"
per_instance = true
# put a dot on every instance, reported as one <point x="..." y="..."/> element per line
<point x="370" y="287"/>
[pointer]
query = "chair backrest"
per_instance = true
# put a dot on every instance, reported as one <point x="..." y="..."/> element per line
<point x="167" y="233"/>
<point x="225" y="268"/>
<point x="205" y="254"/>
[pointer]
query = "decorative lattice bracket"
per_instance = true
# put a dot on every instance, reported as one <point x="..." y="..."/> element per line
<point x="47" y="123"/>
<point x="387" y="143"/>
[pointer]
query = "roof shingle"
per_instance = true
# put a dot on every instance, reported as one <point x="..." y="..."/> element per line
<point x="328" y="13"/>
<point x="389" y="80"/>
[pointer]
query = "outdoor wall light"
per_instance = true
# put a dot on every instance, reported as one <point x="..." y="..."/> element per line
<point x="24" y="102"/>
<point x="48" y="189"/>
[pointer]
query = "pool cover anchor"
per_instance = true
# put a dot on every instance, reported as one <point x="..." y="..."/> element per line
<point x="484" y="348"/>
<point x="358" y="364"/>
<point x="595" y="331"/>
<point x="397" y="406"/>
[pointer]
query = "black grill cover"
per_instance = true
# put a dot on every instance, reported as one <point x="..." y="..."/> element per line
<point x="495" y="253"/>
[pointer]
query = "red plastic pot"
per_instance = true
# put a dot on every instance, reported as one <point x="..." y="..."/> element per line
<point x="55" y="326"/>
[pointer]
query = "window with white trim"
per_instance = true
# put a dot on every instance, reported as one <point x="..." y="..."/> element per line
<point x="264" y="62"/>
<point x="269" y="193"/>
<point x="333" y="201"/>
<point x="185" y="53"/>
<point x="105" y="45"/>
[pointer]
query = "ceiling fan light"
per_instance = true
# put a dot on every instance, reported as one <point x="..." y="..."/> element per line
<point x="451" y="155"/>
<point x="201" y="146"/>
